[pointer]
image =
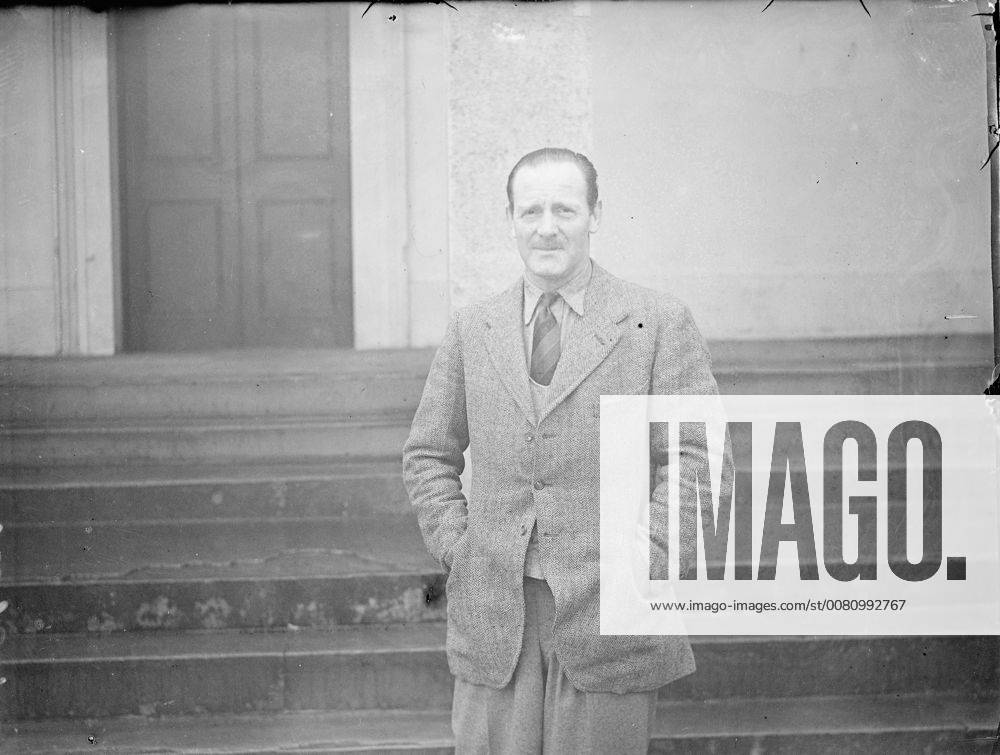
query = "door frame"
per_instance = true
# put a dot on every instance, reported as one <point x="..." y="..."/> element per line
<point x="398" y="93"/>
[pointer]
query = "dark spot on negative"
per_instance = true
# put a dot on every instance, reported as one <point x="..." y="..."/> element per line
<point x="434" y="591"/>
<point x="640" y="324"/>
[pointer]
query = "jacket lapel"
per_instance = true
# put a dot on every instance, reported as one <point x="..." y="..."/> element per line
<point x="593" y="337"/>
<point x="505" y="345"/>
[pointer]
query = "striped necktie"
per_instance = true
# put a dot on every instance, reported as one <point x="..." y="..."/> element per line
<point x="545" y="345"/>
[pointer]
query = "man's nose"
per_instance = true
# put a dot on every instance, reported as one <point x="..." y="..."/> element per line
<point x="547" y="224"/>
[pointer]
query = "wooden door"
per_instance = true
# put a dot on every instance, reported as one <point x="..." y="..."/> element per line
<point x="234" y="135"/>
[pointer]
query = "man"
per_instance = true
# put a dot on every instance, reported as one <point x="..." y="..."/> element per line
<point x="518" y="381"/>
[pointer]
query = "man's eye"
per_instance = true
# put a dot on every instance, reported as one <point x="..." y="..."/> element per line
<point x="531" y="212"/>
<point x="567" y="212"/>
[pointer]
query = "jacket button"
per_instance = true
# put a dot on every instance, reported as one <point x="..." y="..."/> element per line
<point x="539" y="484"/>
<point x="524" y="529"/>
<point x="529" y="437"/>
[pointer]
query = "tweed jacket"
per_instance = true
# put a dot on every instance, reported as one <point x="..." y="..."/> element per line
<point x="544" y="469"/>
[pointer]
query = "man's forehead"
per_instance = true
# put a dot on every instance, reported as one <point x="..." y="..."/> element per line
<point x="563" y="177"/>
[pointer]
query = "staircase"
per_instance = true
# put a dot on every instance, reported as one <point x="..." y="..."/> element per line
<point x="214" y="553"/>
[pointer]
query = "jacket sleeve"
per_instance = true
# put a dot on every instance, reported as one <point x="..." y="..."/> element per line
<point x="432" y="455"/>
<point x="682" y="366"/>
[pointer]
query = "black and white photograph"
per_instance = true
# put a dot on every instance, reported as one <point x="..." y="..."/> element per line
<point x="500" y="378"/>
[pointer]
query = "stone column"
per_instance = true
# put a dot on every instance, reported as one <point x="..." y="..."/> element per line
<point x="59" y="286"/>
<point x="88" y="282"/>
<point x="399" y="174"/>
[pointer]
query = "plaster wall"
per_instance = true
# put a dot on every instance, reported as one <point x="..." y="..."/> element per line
<point x="805" y="172"/>
<point x="29" y="281"/>
<point x="520" y="78"/>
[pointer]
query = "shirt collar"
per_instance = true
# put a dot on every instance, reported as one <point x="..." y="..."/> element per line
<point x="574" y="292"/>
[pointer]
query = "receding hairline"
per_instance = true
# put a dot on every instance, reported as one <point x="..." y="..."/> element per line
<point x="556" y="155"/>
<point x="542" y="163"/>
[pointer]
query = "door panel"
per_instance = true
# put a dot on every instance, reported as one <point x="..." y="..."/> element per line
<point x="235" y="185"/>
<point x="291" y="57"/>
<point x="190" y="284"/>
<point x="294" y="126"/>
<point x="177" y="102"/>
<point x="182" y="86"/>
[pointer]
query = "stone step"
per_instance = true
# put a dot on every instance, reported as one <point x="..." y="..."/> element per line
<point x="404" y="667"/>
<point x="349" y="404"/>
<point x="110" y="552"/>
<point x="225" y="386"/>
<point x="198" y="440"/>
<point x="161" y="492"/>
<point x="217" y="574"/>
<point x="254" y="405"/>
<point x="298" y="382"/>
<point x="293" y="382"/>
<point x="822" y="724"/>
<point x="866" y="379"/>
<point x="145" y="673"/>
<point x="217" y="603"/>
<point x="178" y="492"/>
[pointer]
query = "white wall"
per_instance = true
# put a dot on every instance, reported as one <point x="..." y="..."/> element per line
<point x="29" y="287"/>
<point x="804" y="172"/>
<point x="520" y="78"/>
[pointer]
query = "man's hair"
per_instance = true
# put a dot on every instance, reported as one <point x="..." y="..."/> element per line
<point x="556" y="155"/>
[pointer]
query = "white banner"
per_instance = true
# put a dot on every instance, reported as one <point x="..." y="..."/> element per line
<point x="811" y="515"/>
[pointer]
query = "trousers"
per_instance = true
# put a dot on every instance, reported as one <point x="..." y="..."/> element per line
<point x="540" y="711"/>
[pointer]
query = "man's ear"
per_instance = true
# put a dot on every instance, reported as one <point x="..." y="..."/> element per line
<point x="510" y="220"/>
<point x="595" y="216"/>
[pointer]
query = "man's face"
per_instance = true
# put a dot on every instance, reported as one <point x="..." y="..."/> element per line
<point x="552" y="222"/>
